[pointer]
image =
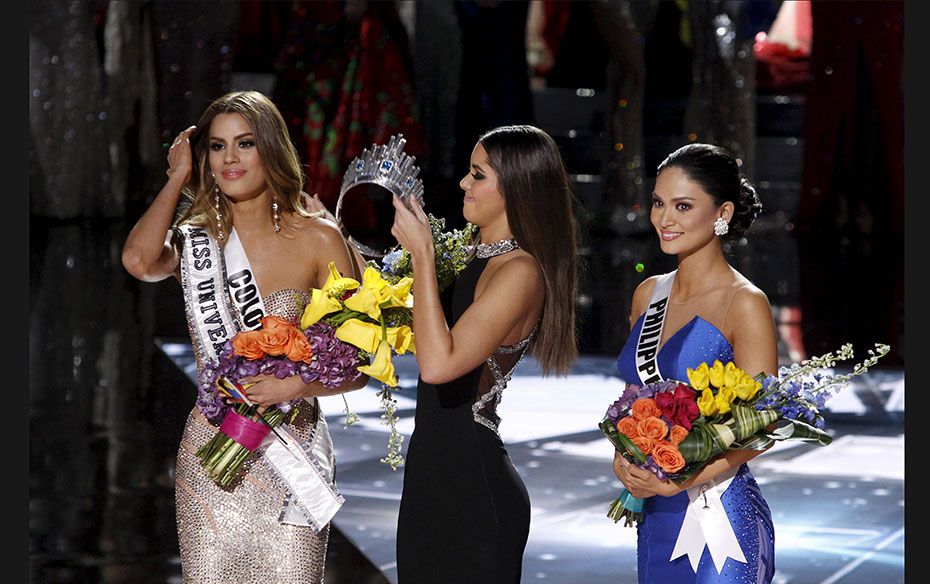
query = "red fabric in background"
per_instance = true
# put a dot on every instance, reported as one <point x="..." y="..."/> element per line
<point x="347" y="85"/>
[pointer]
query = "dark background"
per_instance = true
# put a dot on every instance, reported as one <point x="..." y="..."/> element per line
<point x="111" y="83"/>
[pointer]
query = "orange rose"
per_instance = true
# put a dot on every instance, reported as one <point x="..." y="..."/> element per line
<point x="645" y="443"/>
<point x="270" y="323"/>
<point x="274" y="341"/>
<point x="299" y="347"/>
<point x="245" y="344"/>
<point x="653" y="427"/>
<point x="645" y="407"/>
<point x="627" y="427"/>
<point x="679" y="433"/>
<point x="668" y="458"/>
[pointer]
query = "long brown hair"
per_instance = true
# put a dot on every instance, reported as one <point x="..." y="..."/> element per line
<point x="540" y="210"/>
<point x="275" y="149"/>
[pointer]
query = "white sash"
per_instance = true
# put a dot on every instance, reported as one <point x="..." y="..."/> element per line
<point x="647" y="367"/>
<point x="214" y="318"/>
<point x="211" y="317"/>
<point x="243" y="288"/>
<point x="706" y="523"/>
<point x="305" y="468"/>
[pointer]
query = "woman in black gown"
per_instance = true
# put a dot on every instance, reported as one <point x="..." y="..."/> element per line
<point x="464" y="512"/>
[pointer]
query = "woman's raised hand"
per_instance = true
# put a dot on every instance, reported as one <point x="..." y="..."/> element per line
<point x="180" y="158"/>
<point x="411" y="226"/>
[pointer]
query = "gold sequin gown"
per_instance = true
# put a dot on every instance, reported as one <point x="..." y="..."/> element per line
<point x="232" y="535"/>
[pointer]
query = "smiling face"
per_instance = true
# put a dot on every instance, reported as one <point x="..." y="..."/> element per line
<point x="234" y="159"/>
<point x="483" y="204"/>
<point x="683" y="213"/>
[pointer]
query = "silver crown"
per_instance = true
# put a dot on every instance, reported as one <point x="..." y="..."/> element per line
<point x="388" y="166"/>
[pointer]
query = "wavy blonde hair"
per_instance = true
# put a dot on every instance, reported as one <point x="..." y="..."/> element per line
<point x="275" y="150"/>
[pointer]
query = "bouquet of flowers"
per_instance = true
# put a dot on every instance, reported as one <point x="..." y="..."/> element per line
<point x="675" y="429"/>
<point x="277" y="348"/>
<point x="453" y="250"/>
<point x="374" y="317"/>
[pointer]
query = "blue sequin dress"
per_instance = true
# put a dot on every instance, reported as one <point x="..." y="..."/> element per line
<point x="745" y="506"/>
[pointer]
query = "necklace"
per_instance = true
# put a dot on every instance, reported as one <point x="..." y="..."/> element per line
<point x="489" y="250"/>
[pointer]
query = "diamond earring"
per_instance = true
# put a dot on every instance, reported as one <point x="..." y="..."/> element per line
<point x="274" y="216"/>
<point x="721" y="227"/>
<point x="219" y="215"/>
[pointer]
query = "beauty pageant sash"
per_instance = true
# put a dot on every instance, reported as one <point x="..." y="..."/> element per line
<point x="304" y="467"/>
<point x="706" y="522"/>
<point x="243" y="288"/>
<point x="647" y="366"/>
<point x="211" y="317"/>
<point x="217" y="306"/>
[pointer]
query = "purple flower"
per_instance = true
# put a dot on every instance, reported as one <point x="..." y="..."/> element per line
<point x="651" y="465"/>
<point x="388" y="261"/>
<point x="631" y="393"/>
<point x="333" y="363"/>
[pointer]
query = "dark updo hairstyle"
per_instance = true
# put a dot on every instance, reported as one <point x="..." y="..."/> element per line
<point x="716" y="170"/>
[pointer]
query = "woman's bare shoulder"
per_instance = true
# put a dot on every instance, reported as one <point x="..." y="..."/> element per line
<point x="519" y="270"/>
<point x="749" y="301"/>
<point x="317" y="229"/>
<point x="641" y="296"/>
<point x="645" y="287"/>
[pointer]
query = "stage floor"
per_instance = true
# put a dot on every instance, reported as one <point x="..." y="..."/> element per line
<point x="838" y="510"/>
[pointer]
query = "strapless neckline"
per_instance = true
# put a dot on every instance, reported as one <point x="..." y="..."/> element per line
<point x="283" y="290"/>
<point x="695" y="342"/>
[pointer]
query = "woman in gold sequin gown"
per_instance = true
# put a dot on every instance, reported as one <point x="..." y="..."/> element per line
<point x="240" y="172"/>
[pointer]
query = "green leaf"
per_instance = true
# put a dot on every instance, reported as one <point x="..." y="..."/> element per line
<point x="798" y="430"/>
<point x="620" y="441"/>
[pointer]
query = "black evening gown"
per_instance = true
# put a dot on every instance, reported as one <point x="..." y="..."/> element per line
<point x="464" y="512"/>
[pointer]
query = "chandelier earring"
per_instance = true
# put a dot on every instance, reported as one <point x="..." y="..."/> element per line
<point x="721" y="227"/>
<point x="274" y="215"/>
<point x="219" y="214"/>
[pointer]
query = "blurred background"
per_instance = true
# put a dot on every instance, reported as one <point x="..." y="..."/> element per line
<point x="808" y="95"/>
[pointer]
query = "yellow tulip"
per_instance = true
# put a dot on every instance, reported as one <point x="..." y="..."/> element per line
<point x="725" y="397"/>
<point x="364" y="335"/>
<point x="372" y="279"/>
<point x="320" y="305"/>
<point x="366" y="300"/>
<point x="707" y="403"/>
<point x="698" y="377"/>
<point x="747" y="387"/>
<point x="373" y="292"/>
<point x="381" y="368"/>
<point x="335" y="284"/>
<point x="731" y="374"/>
<point x="715" y="373"/>
<point x="398" y="295"/>
<point x="401" y="338"/>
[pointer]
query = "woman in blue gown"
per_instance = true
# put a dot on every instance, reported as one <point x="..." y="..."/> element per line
<point x="712" y="312"/>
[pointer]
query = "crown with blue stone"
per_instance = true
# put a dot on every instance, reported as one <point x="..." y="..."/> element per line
<point x="387" y="166"/>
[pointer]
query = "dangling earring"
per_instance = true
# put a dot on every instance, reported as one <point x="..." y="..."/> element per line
<point x="721" y="226"/>
<point x="219" y="215"/>
<point x="274" y="215"/>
